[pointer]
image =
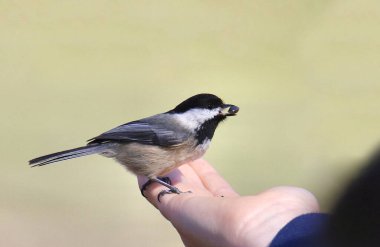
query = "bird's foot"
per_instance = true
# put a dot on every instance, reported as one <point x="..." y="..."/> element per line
<point x="173" y="190"/>
<point x="166" y="180"/>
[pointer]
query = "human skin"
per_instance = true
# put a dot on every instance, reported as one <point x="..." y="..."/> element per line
<point x="213" y="214"/>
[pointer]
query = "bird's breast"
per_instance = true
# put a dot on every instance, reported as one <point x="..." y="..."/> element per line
<point x="151" y="161"/>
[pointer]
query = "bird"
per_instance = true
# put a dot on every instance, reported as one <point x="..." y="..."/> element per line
<point x="155" y="145"/>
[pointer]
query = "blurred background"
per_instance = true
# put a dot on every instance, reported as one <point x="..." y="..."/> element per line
<point x="304" y="73"/>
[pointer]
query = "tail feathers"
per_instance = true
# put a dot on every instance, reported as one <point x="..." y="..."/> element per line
<point x="69" y="154"/>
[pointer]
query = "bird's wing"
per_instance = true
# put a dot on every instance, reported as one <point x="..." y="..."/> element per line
<point x="144" y="131"/>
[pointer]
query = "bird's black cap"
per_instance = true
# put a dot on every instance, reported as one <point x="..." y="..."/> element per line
<point x="202" y="101"/>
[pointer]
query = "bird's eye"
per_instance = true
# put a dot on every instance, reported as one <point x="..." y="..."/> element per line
<point x="209" y="107"/>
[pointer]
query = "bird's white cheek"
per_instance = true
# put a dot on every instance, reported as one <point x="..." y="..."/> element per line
<point x="192" y="119"/>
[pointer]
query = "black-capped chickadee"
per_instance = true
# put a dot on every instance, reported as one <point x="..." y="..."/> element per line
<point x="155" y="145"/>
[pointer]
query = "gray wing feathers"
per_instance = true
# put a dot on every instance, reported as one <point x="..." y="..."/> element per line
<point x="151" y="131"/>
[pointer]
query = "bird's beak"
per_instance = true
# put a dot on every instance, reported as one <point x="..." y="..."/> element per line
<point x="229" y="110"/>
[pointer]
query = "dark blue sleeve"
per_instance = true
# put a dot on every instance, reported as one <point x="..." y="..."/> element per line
<point x="304" y="231"/>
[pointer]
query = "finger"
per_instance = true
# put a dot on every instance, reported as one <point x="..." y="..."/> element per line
<point x="191" y="177"/>
<point x="211" y="179"/>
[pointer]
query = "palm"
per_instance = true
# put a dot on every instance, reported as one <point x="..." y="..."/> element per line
<point x="215" y="215"/>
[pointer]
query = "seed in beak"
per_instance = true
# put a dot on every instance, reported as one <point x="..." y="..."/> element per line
<point x="233" y="109"/>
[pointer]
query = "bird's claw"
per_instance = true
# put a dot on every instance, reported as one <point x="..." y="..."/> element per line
<point x="174" y="190"/>
<point x="163" y="181"/>
<point x="149" y="182"/>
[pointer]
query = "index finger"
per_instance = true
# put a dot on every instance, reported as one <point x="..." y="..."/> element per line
<point x="211" y="179"/>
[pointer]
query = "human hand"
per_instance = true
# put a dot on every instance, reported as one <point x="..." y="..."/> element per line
<point x="215" y="215"/>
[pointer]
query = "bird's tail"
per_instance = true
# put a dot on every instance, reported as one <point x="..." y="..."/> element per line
<point x="70" y="154"/>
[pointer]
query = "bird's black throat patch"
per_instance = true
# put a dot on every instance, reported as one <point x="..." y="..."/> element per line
<point x="207" y="129"/>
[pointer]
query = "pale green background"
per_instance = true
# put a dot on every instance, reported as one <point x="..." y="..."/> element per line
<point x="305" y="74"/>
